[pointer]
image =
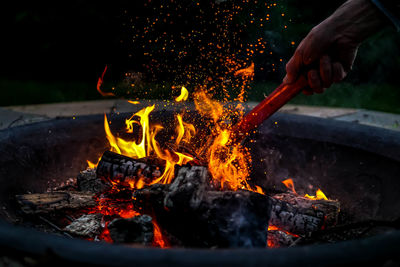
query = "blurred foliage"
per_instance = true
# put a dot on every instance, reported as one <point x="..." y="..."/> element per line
<point x="55" y="52"/>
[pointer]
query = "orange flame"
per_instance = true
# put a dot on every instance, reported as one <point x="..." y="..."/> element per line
<point x="247" y="72"/>
<point x="227" y="162"/>
<point x="158" y="239"/>
<point x="100" y="82"/>
<point x="289" y="184"/>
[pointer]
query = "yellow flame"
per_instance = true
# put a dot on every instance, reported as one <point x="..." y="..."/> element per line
<point x="319" y="194"/>
<point x="180" y="129"/>
<point x="133" y="102"/>
<point x="183" y="96"/>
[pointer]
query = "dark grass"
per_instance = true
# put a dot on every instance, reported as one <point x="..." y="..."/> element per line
<point x="33" y="92"/>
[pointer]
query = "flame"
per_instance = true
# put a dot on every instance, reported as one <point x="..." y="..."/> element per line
<point x="158" y="239"/>
<point x="247" y="72"/>
<point x="100" y="82"/>
<point x="289" y="184"/>
<point x="227" y="161"/>
<point x="133" y="102"/>
<point x="319" y="194"/>
<point x="148" y="144"/>
<point x="183" y="96"/>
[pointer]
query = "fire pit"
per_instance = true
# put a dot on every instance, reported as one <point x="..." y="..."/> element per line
<point x="357" y="165"/>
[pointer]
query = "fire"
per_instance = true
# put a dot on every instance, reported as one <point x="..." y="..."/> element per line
<point x="158" y="240"/>
<point x="319" y="194"/>
<point x="100" y="82"/>
<point x="247" y="72"/>
<point x="289" y="184"/>
<point x="183" y="96"/>
<point x="148" y="144"/>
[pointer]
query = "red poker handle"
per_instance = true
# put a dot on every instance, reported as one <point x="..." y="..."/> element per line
<point x="279" y="97"/>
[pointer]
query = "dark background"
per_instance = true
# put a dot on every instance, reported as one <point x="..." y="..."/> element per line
<point x="56" y="51"/>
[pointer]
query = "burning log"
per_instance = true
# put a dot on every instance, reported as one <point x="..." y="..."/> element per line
<point x="196" y="215"/>
<point x="302" y="216"/>
<point x="278" y="238"/>
<point x="138" y="229"/>
<point x="88" y="181"/>
<point x="55" y="201"/>
<point x="190" y="200"/>
<point x="86" y="226"/>
<point x="118" y="168"/>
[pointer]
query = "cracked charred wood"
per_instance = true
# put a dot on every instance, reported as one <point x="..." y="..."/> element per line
<point x="55" y="201"/>
<point x="198" y="216"/>
<point x="122" y="169"/>
<point x="88" y="181"/>
<point x="278" y="238"/>
<point x="302" y="216"/>
<point x="88" y="225"/>
<point x="139" y="230"/>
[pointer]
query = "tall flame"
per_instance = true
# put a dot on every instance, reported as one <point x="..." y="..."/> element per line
<point x="148" y="144"/>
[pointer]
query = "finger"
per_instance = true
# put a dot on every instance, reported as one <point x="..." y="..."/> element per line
<point x="338" y="72"/>
<point x="314" y="81"/>
<point x="293" y="67"/>
<point x="325" y="69"/>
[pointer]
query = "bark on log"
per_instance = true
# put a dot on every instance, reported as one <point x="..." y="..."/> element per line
<point x="119" y="168"/>
<point x="55" y="201"/>
<point x="277" y="239"/>
<point x="88" y="225"/>
<point x="200" y="217"/>
<point x="302" y="216"/>
<point x="138" y="229"/>
<point x="88" y="181"/>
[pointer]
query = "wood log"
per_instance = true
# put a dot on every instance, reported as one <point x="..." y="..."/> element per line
<point x="55" y="201"/>
<point x="138" y="229"/>
<point x="118" y="168"/>
<point x="197" y="216"/>
<point x="302" y="216"/>
<point x="88" y="181"/>
<point x="278" y="238"/>
<point x="88" y="225"/>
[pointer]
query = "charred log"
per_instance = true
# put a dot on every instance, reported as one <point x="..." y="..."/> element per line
<point x="200" y="217"/>
<point x="301" y="216"/>
<point x="138" y="229"/>
<point x="86" y="226"/>
<point x="122" y="169"/>
<point x="88" y="181"/>
<point x="278" y="238"/>
<point x="55" y="201"/>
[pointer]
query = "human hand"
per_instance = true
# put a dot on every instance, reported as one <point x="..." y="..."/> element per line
<point x="327" y="53"/>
